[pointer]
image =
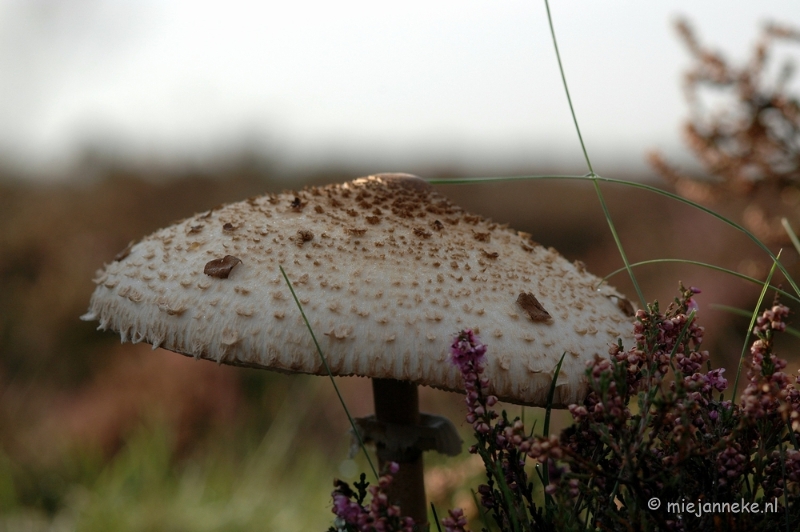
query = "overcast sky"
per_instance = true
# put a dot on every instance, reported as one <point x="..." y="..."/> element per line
<point x="471" y="82"/>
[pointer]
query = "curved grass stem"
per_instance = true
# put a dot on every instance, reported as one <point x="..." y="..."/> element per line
<point x="330" y="374"/>
<point x="704" y="265"/>
<point x="642" y="186"/>
<point x="592" y="173"/>
<point x="750" y="327"/>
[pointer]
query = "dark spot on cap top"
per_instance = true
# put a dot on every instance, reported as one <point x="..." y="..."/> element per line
<point x="481" y="237"/>
<point x="296" y="204"/>
<point x="490" y="254"/>
<point x="228" y="227"/>
<point x="304" y="236"/>
<point x="221" y="268"/>
<point x="195" y="229"/>
<point x="422" y="233"/>
<point x="532" y="307"/>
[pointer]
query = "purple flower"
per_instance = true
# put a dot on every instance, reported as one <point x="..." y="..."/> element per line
<point x="467" y="348"/>
<point x="378" y="515"/>
<point x="346" y="509"/>
<point x="456" y="522"/>
<point x="714" y="379"/>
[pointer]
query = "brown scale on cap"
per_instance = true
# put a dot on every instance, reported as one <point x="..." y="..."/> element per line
<point x="532" y="307"/>
<point x="409" y="245"/>
<point x="221" y="268"/>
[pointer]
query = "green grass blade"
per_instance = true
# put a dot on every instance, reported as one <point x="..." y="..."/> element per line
<point x="600" y="197"/>
<point x="330" y="374"/>
<point x="746" y="313"/>
<point x="507" y="496"/>
<point x="550" y="395"/>
<point x="704" y="265"/>
<point x="503" y="179"/>
<point x="566" y="88"/>
<point x="481" y="511"/>
<point x="500" y="179"/>
<point x="618" y="242"/>
<point x="546" y="429"/>
<point x="641" y="186"/>
<point x="791" y="233"/>
<point x="436" y="518"/>
<point x="750" y="328"/>
<point x="783" y="474"/>
<point x="650" y="396"/>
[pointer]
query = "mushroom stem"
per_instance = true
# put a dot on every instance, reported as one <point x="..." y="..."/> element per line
<point x="398" y="402"/>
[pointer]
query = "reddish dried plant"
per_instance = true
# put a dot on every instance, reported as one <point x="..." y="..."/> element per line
<point x="744" y="128"/>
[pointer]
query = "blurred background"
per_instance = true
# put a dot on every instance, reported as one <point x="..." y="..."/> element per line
<point x="119" y="117"/>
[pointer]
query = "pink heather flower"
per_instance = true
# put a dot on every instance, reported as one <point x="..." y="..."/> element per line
<point x="772" y="318"/>
<point x="456" y="522"/>
<point x="783" y="468"/>
<point x="467" y="352"/>
<point x="467" y="348"/>
<point x="378" y="515"/>
<point x="768" y="383"/>
<point x="714" y="379"/>
<point x="731" y="464"/>
<point x="346" y="509"/>
<point x="691" y="304"/>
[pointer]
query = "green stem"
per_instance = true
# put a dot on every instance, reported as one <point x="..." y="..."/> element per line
<point x="600" y="197"/>
<point x="330" y="374"/>
<point x="750" y="328"/>
<point x="704" y="265"/>
<point x="632" y="184"/>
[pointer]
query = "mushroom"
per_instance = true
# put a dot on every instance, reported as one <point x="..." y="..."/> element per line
<point x="387" y="271"/>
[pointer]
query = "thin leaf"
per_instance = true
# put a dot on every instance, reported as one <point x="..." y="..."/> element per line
<point x="704" y="265"/>
<point x="436" y="518"/>
<point x="785" y="501"/>
<point x="600" y="197"/>
<point x="566" y="88"/>
<point x="479" y="506"/>
<point x="651" y="393"/>
<point x="746" y="313"/>
<point x="632" y="184"/>
<point x="507" y="495"/>
<point x="750" y="328"/>
<point x="550" y="395"/>
<point x="330" y="374"/>
<point x="791" y="233"/>
<point x="546" y="430"/>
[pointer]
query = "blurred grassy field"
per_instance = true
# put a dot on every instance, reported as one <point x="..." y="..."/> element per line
<point x="95" y="436"/>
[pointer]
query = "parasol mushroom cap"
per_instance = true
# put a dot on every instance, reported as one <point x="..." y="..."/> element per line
<point x="387" y="270"/>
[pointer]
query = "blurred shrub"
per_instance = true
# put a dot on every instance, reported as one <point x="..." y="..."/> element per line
<point x="744" y="129"/>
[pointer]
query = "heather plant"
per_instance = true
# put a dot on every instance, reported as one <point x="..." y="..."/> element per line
<point x="354" y="514"/>
<point x="744" y="129"/>
<point x="654" y="446"/>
